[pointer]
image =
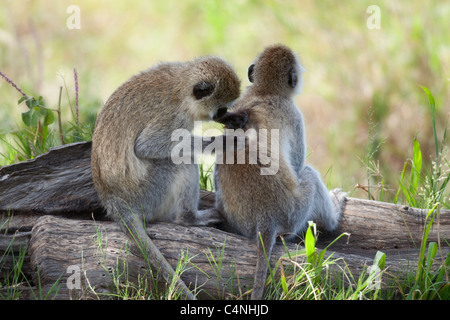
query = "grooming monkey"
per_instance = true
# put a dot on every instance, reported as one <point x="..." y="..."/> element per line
<point x="132" y="169"/>
<point x="266" y="206"/>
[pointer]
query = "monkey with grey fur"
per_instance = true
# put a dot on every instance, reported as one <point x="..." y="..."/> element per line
<point x="133" y="173"/>
<point x="269" y="205"/>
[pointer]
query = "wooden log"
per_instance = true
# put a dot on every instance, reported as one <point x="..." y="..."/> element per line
<point x="58" y="182"/>
<point x="13" y="248"/>
<point x="59" y="243"/>
<point x="375" y="225"/>
<point x="95" y="251"/>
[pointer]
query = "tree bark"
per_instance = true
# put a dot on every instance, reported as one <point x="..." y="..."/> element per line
<point x="58" y="183"/>
<point x="49" y="204"/>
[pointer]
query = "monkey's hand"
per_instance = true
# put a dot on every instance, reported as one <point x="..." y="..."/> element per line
<point x="233" y="120"/>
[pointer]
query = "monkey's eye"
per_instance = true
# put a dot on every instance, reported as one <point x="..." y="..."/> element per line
<point x="202" y="89"/>
<point x="250" y="72"/>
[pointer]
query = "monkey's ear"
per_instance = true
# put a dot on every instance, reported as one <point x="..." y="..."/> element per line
<point x="292" y="78"/>
<point x="202" y="89"/>
<point x="250" y="72"/>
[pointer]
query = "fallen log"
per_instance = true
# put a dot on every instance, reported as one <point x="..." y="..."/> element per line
<point x="59" y="183"/>
<point x="87" y="259"/>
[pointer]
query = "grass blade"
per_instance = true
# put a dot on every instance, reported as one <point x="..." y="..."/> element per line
<point x="422" y="261"/>
<point x="433" y="117"/>
<point x="416" y="168"/>
<point x="310" y="246"/>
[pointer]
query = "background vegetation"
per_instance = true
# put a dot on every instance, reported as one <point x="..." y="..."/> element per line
<point x="362" y="99"/>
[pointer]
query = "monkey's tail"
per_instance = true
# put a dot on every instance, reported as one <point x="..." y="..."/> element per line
<point x="156" y="259"/>
<point x="265" y="242"/>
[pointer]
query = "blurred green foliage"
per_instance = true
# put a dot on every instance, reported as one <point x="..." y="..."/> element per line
<point x="361" y="98"/>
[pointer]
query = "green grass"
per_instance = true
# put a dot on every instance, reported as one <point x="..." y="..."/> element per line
<point x="36" y="135"/>
<point x="314" y="277"/>
<point x="425" y="190"/>
<point x="11" y="278"/>
<point x="421" y="183"/>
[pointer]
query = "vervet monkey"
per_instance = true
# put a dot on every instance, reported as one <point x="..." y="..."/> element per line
<point x="133" y="173"/>
<point x="268" y="205"/>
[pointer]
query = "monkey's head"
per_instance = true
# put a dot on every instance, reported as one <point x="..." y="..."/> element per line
<point x="213" y="87"/>
<point x="276" y="70"/>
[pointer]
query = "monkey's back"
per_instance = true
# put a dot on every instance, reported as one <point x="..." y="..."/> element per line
<point x="246" y="205"/>
<point x="249" y="199"/>
<point x="138" y="103"/>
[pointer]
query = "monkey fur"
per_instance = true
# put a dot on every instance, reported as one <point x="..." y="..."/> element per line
<point x="267" y="206"/>
<point x="132" y="170"/>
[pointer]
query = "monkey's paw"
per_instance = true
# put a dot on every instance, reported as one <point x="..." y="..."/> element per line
<point x="234" y="120"/>
<point x="339" y="198"/>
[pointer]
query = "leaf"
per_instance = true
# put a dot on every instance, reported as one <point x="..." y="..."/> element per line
<point x="293" y="254"/>
<point x="440" y="273"/>
<point x="31" y="102"/>
<point x="22" y="100"/>
<point x="283" y="280"/>
<point x="444" y="292"/>
<point x="30" y="118"/>
<point x="375" y="270"/>
<point x="432" y="250"/>
<point x="40" y="101"/>
<point x="407" y="193"/>
<point x="49" y="118"/>
<point x="26" y="117"/>
<point x="416" y="168"/>
<point x="402" y="177"/>
<point x="433" y="117"/>
<point x="42" y="111"/>
<point x="323" y="251"/>
<point x="310" y="246"/>
<point x="380" y="259"/>
<point x="422" y="261"/>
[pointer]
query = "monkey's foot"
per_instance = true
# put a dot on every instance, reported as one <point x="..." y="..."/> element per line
<point x="339" y="198"/>
<point x="209" y="217"/>
<point x="202" y="218"/>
